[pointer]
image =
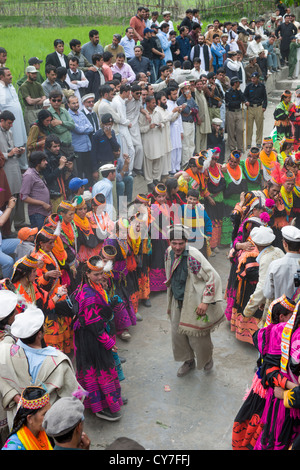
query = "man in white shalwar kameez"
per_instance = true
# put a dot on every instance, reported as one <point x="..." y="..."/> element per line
<point x="166" y="118"/>
<point x="9" y="101"/>
<point x="176" y="130"/>
<point x="151" y="130"/>
<point x="134" y="106"/>
<point x="119" y="106"/>
<point x="204" y="128"/>
<point x="280" y="275"/>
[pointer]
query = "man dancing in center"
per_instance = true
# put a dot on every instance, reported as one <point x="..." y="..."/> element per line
<point x="194" y="302"/>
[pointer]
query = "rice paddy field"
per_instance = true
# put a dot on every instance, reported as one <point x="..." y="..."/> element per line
<point x="22" y="43"/>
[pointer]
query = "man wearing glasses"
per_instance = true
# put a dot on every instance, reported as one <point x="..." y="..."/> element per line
<point x="62" y="123"/>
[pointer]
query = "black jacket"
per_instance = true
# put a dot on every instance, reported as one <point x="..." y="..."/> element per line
<point x="95" y="81"/>
<point x="103" y="149"/>
<point x="52" y="59"/>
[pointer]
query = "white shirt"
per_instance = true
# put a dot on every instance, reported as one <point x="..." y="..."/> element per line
<point x="280" y="276"/>
<point x="61" y="59"/>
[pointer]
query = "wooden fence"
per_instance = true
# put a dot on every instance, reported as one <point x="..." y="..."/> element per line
<point x="127" y="8"/>
<point x="230" y="9"/>
<point x="90" y="8"/>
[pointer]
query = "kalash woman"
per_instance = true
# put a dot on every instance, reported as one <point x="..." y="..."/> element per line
<point x="87" y="241"/>
<point x="134" y="240"/>
<point x="247" y="424"/>
<point x="140" y="207"/>
<point x="280" y="371"/>
<point x="287" y="194"/>
<point x="251" y="168"/>
<point x="27" y="432"/>
<point x="247" y="276"/>
<point x="69" y="236"/>
<point x="274" y="203"/>
<point x="281" y="214"/>
<point x="95" y="342"/>
<point x="215" y="208"/>
<point x="99" y="218"/>
<point x="49" y="278"/>
<point x="108" y="254"/>
<point x="296" y="190"/>
<point x="160" y="220"/>
<point x="125" y="317"/>
<point x="268" y="158"/>
<point x="282" y="119"/>
<point x="246" y="215"/>
<point x="236" y="184"/>
<point x="286" y="149"/>
<point x="193" y="177"/>
<point x="56" y="309"/>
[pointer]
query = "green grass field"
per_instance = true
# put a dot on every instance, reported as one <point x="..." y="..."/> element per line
<point x="23" y="43"/>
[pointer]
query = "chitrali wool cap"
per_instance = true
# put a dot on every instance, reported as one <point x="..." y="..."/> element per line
<point x="183" y="84"/>
<point x="87" y="97"/>
<point x="27" y="323"/>
<point x="217" y="121"/>
<point x="8" y="302"/>
<point x="262" y="235"/>
<point x="63" y="416"/>
<point x="108" y="166"/>
<point x="291" y="233"/>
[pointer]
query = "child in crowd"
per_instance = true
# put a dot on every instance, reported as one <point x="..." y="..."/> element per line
<point x="27" y="237"/>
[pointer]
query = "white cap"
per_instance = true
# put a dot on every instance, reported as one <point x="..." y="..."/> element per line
<point x="88" y="96"/>
<point x="46" y="103"/>
<point x="217" y="121"/>
<point x="166" y="12"/>
<point x="8" y="302"/>
<point x="183" y="84"/>
<point x="262" y="235"/>
<point x="291" y="233"/>
<point x="108" y="166"/>
<point x="31" y="69"/>
<point x="87" y="195"/>
<point x="27" y="323"/>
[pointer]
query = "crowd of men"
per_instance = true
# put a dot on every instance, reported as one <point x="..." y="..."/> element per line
<point x="150" y="105"/>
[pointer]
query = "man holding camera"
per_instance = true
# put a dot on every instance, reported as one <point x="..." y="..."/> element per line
<point x="57" y="170"/>
<point x="12" y="169"/>
<point x="189" y="117"/>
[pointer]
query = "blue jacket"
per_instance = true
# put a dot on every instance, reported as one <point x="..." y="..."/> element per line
<point x="80" y="134"/>
<point x="184" y="46"/>
<point x="217" y="51"/>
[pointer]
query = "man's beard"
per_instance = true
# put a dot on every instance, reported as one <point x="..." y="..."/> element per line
<point x="164" y="105"/>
